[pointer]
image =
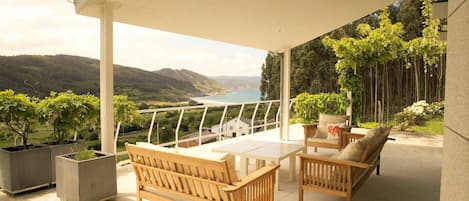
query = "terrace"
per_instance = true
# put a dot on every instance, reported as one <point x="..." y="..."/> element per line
<point x="411" y="170"/>
<point x="415" y="167"/>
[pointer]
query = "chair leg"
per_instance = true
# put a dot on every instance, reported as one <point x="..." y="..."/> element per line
<point x="300" y="194"/>
<point x="378" y="166"/>
<point x="315" y="149"/>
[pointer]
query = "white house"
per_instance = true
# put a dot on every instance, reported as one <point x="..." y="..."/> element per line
<point x="229" y="128"/>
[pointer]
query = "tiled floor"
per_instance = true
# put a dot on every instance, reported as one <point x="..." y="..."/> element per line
<point x="410" y="171"/>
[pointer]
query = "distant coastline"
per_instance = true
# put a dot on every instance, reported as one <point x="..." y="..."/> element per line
<point x="234" y="96"/>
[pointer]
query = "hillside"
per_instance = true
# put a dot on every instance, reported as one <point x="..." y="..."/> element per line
<point x="239" y="82"/>
<point x="200" y="82"/>
<point x="38" y="75"/>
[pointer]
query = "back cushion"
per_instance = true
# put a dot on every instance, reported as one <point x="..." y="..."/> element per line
<point x="352" y="152"/>
<point x="373" y="138"/>
<point x="324" y="120"/>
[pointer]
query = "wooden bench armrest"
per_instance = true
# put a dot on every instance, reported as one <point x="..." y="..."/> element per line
<point x="262" y="173"/>
<point x="334" y="161"/>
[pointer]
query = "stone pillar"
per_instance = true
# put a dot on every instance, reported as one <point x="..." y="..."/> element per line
<point x="106" y="78"/>
<point x="455" y="167"/>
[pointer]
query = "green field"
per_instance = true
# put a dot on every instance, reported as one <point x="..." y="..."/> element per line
<point x="432" y="126"/>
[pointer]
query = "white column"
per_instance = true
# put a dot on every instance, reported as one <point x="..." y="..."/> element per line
<point x="285" y="94"/>
<point x="106" y="77"/>
<point x="455" y="165"/>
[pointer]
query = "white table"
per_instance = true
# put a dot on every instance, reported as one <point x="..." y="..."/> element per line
<point x="263" y="151"/>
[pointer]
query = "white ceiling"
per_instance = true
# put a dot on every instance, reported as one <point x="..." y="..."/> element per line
<point x="264" y="24"/>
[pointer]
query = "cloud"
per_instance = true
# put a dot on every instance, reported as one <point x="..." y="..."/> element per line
<point x="52" y="27"/>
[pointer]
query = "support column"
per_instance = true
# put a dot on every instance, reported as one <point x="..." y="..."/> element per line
<point x="455" y="174"/>
<point x="106" y="82"/>
<point x="285" y="94"/>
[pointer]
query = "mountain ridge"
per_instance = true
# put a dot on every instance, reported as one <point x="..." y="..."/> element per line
<point x="37" y="75"/>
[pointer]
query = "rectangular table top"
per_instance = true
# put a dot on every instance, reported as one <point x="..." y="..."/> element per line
<point x="260" y="149"/>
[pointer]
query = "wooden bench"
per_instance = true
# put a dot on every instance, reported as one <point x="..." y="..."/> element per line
<point x="161" y="173"/>
<point x="340" y="177"/>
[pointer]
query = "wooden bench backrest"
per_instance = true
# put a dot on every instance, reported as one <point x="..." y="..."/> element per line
<point x="181" y="175"/>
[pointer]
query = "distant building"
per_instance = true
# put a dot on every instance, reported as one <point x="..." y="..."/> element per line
<point x="229" y="128"/>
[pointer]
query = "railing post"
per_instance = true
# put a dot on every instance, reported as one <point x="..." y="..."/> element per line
<point x="277" y="117"/>
<point x="267" y="115"/>
<point x="201" y="125"/>
<point x="179" y="126"/>
<point x="253" y="117"/>
<point x="151" y="127"/>
<point x="239" y="118"/>
<point x="221" y="122"/>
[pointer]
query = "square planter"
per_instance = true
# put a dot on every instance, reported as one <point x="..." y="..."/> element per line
<point x="22" y="170"/>
<point x="87" y="180"/>
<point x="61" y="149"/>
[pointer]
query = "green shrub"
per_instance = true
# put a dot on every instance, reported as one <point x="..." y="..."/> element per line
<point x="418" y="113"/>
<point x="308" y="106"/>
<point x="84" y="155"/>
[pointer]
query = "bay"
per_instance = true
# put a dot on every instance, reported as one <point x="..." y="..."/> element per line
<point x="236" y="96"/>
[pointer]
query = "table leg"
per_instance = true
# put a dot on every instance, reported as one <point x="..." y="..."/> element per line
<point x="260" y="163"/>
<point x="292" y="166"/>
<point x="244" y="166"/>
<point x="276" y="174"/>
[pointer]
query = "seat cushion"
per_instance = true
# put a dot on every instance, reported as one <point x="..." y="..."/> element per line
<point x="323" y="140"/>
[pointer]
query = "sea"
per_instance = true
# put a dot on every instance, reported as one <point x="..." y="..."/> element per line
<point x="235" y="96"/>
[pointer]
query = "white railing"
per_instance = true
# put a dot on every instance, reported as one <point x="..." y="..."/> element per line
<point x="221" y="131"/>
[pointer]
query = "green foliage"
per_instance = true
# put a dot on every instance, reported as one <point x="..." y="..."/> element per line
<point x="431" y="126"/>
<point x="125" y="110"/>
<point x="84" y="155"/>
<point x="18" y="112"/>
<point x="376" y="46"/>
<point x="68" y="112"/>
<point x="429" y="46"/>
<point x="307" y="106"/>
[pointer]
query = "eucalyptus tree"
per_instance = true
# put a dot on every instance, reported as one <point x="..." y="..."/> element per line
<point x="18" y="112"/>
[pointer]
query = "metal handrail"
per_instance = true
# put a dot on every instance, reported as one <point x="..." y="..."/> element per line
<point x="221" y="131"/>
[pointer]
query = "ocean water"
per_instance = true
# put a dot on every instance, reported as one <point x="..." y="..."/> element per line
<point x="237" y="96"/>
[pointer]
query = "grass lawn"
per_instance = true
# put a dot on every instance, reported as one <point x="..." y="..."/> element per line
<point x="432" y="126"/>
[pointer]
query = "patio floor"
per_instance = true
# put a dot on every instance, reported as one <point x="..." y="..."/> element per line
<point x="410" y="171"/>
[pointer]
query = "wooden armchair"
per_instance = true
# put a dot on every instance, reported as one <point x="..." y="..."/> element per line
<point x="316" y="135"/>
<point x="341" y="177"/>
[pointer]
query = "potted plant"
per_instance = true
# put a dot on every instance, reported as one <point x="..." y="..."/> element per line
<point x="312" y="107"/>
<point x="67" y="113"/>
<point x="27" y="166"/>
<point x="86" y="176"/>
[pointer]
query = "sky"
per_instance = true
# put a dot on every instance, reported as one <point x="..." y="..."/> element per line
<point x="49" y="27"/>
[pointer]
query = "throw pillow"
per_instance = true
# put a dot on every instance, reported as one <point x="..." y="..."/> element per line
<point x="333" y="131"/>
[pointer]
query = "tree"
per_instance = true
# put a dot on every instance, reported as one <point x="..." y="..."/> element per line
<point x="68" y="112"/>
<point x="125" y="113"/>
<point x="18" y="112"/>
